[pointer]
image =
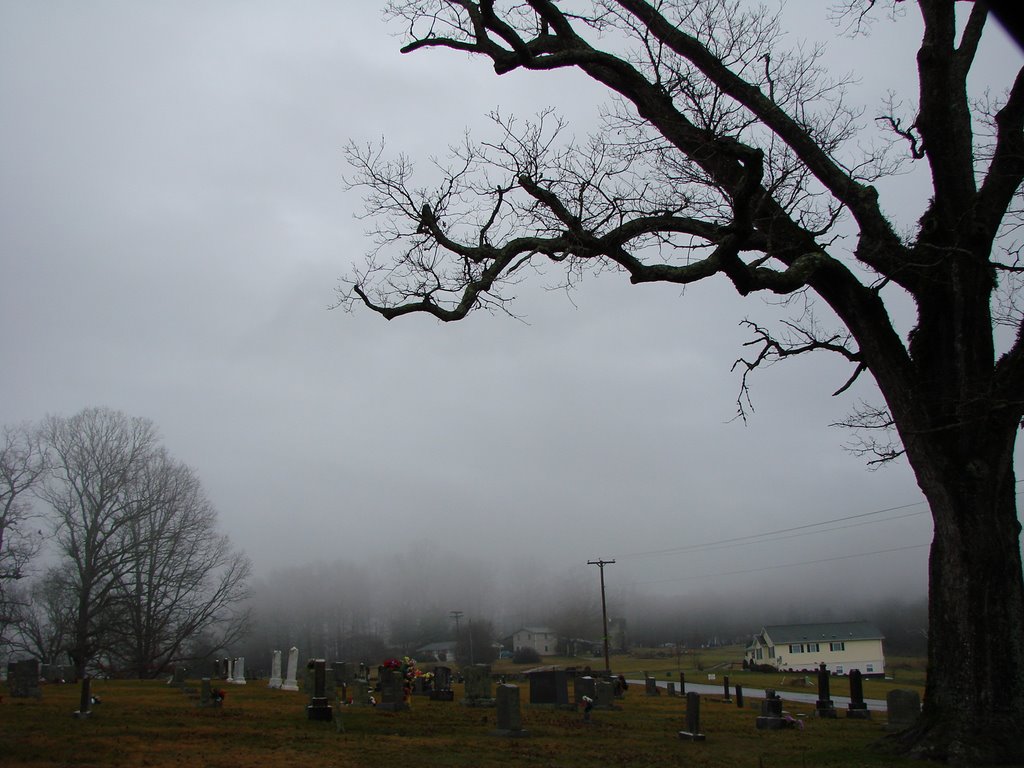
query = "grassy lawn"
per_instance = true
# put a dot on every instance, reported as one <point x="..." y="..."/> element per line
<point x="152" y="724"/>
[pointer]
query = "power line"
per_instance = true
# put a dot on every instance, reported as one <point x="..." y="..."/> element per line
<point x="782" y="565"/>
<point x="751" y="538"/>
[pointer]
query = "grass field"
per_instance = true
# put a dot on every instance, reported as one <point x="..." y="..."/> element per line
<point x="152" y="724"/>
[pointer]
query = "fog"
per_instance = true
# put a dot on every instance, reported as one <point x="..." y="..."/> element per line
<point x="174" y="223"/>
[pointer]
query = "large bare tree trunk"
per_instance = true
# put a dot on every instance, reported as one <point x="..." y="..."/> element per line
<point x="975" y="690"/>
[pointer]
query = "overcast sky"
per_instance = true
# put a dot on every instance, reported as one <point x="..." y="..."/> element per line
<point x="174" y="223"/>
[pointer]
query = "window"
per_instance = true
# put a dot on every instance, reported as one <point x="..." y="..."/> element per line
<point x="871" y="668"/>
<point x="796" y="648"/>
<point x="837" y="646"/>
<point x="839" y="669"/>
<point x="812" y="647"/>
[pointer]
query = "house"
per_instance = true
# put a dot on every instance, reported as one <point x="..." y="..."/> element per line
<point x="542" y="639"/>
<point x="444" y="652"/>
<point x="840" y="646"/>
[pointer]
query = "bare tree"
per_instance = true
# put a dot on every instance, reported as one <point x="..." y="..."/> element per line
<point x="143" y="564"/>
<point x="180" y="576"/>
<point x="725" y="156"/>
<point x="21" y="468"/>
<point x="44" y="624"/>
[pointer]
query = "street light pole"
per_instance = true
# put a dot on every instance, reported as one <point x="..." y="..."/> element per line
<point x="604" y="610"/>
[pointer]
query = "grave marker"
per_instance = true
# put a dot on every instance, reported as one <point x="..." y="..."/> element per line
<point x="903" y="707"/>
<point x="510" y="722"/>
<point x="275" y="671"/>
<point x="824" y="707"/>
<point x="857" y="708"/>
<point x="692" y="732"/>
<point x="319" y="707"/>
<point x="290" y="683"/>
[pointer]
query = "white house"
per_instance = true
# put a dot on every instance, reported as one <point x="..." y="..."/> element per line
<point x="840" y="646"/>
<point x="542" y="639"/>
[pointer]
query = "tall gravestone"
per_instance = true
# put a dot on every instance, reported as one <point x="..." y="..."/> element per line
<point x="275" y="671"/>
<point x="771" y="718"/>
<point x="651" y="686"/>
<point x="857" y="708"/>
<point x="509" y="719"/>
<point x="693" y="731"/>
<point x="824" y="707"/>
<point x="319" y="707"/>
<point x="291" y="683"/>
<point x="725" y="688"/>
<point x="604" y="695"/>
<point x="239" y="678"/>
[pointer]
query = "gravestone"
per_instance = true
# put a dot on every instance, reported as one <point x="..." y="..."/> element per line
<point x="358" y="693"/>
<point x="670" y="689"/>
<point x="392" y="691"/>
<point x="68" y="673"/>
<point x="824" y="707"/>
<point x="771" y="713"/>
<point x="230" y="675"/>
<point x="857" y="708"/>
<point x="275" y="671"/>
<point x="510" y="722"/>
<point x="23" y="679"/>
<point x="290" y="683"/>
<point x="651" y="686"/>
<point x="682" y="683"/>
<point x="583" y="686"/>
<point x="549" y="687"/>
<point x="442" y="688"/>
<point x="478" y="685"/>
<point x="239" y="678"/>
<point x="605" y="695"/>
<point x="51" y="673"/>
<point x="206" y="698"/>
<point x="725" y="688"/>
<point x="319" y="707"/>
<point x="739" y="696"/>
<point x="692" y="732"/>
<point x="903" y="707"/>
<point x="178" y="677"/>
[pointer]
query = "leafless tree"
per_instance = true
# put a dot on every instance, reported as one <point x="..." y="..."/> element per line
<point x="44" y="624"/>
<point x="180" y="576"/>
<point x="725" y="156"/>
<point x="21" y="468"/>
<point x="142" y="562"/>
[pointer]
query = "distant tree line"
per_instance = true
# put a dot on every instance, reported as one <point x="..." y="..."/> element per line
<point x="134" y="576"/>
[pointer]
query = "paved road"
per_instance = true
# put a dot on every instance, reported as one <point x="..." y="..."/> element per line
<point x="876" y="705"/>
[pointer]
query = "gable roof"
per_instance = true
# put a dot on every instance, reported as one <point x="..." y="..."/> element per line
<point x="832" y="631"/>
<point x="535" y="630"/>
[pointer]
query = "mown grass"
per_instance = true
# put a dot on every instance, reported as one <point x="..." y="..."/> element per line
<point x="153" y="724"/>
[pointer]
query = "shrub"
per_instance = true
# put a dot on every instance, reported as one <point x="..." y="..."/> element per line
<point x="526" y="655"/>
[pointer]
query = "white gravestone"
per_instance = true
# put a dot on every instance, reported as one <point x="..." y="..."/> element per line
<point x="275" y="671"/>
<point x="290" y="683"/>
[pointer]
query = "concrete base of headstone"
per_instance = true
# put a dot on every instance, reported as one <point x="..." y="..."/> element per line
<point x="482" y="703"/>
<point x="829" y="713"/>
<point x="274" y="682"/>
<point x="510" y="734"/>
<point x="319" y="709"/>
<point x="442" y="695"/>
<point x="687" y="736"/>
<point x="858" y="714"/>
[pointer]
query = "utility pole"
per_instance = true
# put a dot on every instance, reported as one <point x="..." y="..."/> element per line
<point x="604" y="610"/>
<point x="456" y="615"/>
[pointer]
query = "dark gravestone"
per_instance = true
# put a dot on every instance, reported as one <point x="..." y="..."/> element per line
<point x="725" y="690"/>
<point x="319" y="707"/>
<point x="739" y="696"/>
<point x="824" y="707"/>
<point x="771" y="718"/>
<point x="604" y="695"/>
<point x="442" y="686"/>
<point x="584" y="686"/>
<point x="549" y="686"/>
<point x="682" y="683"/>
<point x="903" y="708"/>
<point x="670" y="689"/>
<point x="692" y="732"/>
<point x="23" y="679"/>
<point x="478" y="686"/>
<point x="651" y="686"/>
<point x="510" y="722"/>
<point x="392" y="691"/>
<point x="857" y="708"/>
